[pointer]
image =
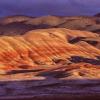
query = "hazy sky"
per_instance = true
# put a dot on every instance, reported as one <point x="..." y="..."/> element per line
<point x="49" y="7"/>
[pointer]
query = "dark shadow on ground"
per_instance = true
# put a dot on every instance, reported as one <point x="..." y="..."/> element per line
<point x="78" y="59"/>
<point x="48" y="89"/>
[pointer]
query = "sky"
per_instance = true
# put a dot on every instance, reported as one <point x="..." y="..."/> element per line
<point x="49" y="7"/>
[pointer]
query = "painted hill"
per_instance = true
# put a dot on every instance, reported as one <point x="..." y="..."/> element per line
<point x="46" y="47"/>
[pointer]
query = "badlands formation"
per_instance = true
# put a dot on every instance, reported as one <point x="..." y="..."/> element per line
<point x="43" y="57"/>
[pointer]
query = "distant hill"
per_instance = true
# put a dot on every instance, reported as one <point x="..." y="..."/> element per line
<point x="21" y="24"/>
<point x="97" y="15"/>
